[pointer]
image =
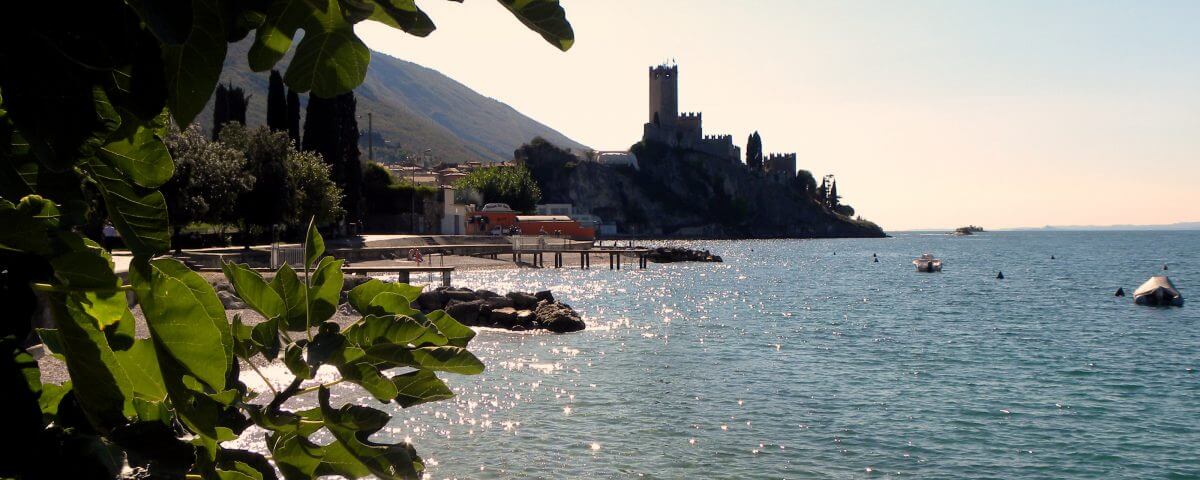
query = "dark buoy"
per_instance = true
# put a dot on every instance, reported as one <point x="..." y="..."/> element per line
<point x="1164" y="267"/>
<point x="1000" y="276"/>
<point x="876" y="259"/>
<point x="1120" y="292"/>
<point x="1052" y="257"/>
<point x="874" y="255"/>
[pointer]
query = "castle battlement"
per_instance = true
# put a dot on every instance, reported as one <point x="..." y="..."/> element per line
<point x="781" y="164"/>
<point x="719" y="138"/>
<point x="781" y="156"/>
<point x="690" y="115"/>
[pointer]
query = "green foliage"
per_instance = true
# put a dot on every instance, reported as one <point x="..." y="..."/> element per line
<point x="290" y="186"/>
<point x="84" y="97"/>
<point x="512" y="185"/>
<point x="210" y="178"/>
<point x="382" y="194"/>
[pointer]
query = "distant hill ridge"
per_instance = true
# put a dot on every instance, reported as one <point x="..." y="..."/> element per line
<point x="415" y="108"/>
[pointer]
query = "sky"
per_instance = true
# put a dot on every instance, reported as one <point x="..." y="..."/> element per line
<point x="931" y="113"/>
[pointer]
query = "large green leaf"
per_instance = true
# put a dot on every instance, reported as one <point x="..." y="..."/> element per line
<point x="255" y="291"/>
<point x="421" y="386"/>
<point x="546" y="17"/>
<point x="362" y="296"/>
<point x="403" y="14"/>
<point x="439" y="359"/>
<point x="194" y="67"/>
<point x="180" y="322"/>
<point x="26" y="224"/>
<point x="274" y="37"/>
<point x="205" y="294"/>
<point x="352" y="425"/>
<point x="139" y="151"/>
<point x="403" y="330"/>
<point x="325" y="291"/>
<point x="331" y="59"/>
<point x="459" y="335"/>
<point x="364" y="374"/>
<point x="141" y="365"/>
<point x="140" y="215"/>
<point x="100" y="383"/>
<point x="291" y="292"/>
<point x="314" y="246"/>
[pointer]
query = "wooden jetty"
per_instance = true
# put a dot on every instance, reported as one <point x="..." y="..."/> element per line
<point x="403" y="272"/>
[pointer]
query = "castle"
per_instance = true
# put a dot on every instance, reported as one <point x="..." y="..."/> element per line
<point x="666" y="125"/>
<point x="685" y="130"/>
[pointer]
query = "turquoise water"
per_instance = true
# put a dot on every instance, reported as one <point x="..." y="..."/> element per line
<point x="801" y="359"/>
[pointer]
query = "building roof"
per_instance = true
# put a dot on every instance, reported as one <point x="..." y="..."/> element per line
<point x="543" y="218"/>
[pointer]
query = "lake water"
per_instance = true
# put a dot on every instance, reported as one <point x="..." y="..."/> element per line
<point x="801" y="359"/>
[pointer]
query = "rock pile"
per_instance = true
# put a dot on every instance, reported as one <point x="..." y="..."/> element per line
<point x="676" y="254"/>
<point x="517" y="311"/>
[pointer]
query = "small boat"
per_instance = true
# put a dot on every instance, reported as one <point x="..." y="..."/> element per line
<point x="926" y="263"/>
<point x="1158" y="291"/>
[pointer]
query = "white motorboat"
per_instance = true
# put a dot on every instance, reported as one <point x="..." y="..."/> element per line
<point x="926" y="263"/>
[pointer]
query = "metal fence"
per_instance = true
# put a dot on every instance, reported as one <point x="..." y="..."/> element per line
<point x="291" y="255"/>
<point x="543" y="244"/>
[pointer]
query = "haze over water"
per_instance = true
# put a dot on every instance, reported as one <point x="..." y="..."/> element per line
<point x="791" y="361"/>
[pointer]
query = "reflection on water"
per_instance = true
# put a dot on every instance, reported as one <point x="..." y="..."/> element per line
<point x="789" y="361"/>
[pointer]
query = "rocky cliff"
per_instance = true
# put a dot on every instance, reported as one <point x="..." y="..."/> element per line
<point x="683" y="193"/>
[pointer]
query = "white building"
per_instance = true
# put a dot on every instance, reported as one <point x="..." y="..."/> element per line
<point x="454" y="216"/>
<point x="618" y="159"/>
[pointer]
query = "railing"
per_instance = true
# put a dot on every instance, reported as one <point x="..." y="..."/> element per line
<point x="291" y="255"/>
<point x="544" y="243"/>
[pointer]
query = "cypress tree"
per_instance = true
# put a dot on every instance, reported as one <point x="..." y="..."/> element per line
<point x="319" y="128"/>
<point x="277" y="106"/>
<point x="754" y="152"/>
<point x="229" y="105"/>
<point x="833" y="195"/>
<point x="293" y="116"/>
<point x="821" y="191"/>
<point x="220" y="110"/>
<point x="349" y="157"/>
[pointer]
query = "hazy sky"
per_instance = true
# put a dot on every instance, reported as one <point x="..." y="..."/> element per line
<point x="931" y="113"/>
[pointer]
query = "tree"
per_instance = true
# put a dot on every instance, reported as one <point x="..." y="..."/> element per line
<point x="277" y="104"/>
<point x="314" y="193"/>
<point x="293" y="116"/>
<point x="754" y="152"/>
<point x="229" y="106"/>
<point x="512" y="185"/>
<point x="97" y="84"/>
<point x="806" y="182"/>
<point x="823" y="192"/>
<point x="833" y="195"/>
<point x="347" y="171"/>
<point x="290" y="186"/>
<point x="209" y="178"/>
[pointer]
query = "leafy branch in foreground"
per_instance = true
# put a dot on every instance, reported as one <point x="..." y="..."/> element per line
<point x="86" y="95"/>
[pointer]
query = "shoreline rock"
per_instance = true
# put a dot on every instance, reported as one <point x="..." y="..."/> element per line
<point x="677" y="254"/>
<point x="516" y="311"/>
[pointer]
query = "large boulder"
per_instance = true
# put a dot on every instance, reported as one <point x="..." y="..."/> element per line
<point x="499" y="302"/>
<point x="486" y="294"/>
<point x="461" y="294"/>
<point x="231" y="301"/>
<point x="432" y="300"/>
<point x="351" y="281"/>
<point x="523" y="300"/>
<point x="558" y="318"/>
<point x="503" y="317"/>
<point x="467" y="313"/>
<point x="544" y="296"/>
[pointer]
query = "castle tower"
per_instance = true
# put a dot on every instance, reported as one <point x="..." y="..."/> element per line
<point x="664" y="96"/>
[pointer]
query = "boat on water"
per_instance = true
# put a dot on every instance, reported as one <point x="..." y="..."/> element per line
<point x="926" y="263"/>
<point x="1158" y="291"/>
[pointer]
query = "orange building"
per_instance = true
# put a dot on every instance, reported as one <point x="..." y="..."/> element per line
<point x="496" y="220"/>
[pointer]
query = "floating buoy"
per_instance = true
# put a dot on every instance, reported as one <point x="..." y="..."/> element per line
<point x="1000" y="276"/>
<point x="874" y="255"/>
<point x="1120" y="292"/>
<point x="1164" y="267"/>
<point x="1052" y="257"/>
<point x="876" y="259"/>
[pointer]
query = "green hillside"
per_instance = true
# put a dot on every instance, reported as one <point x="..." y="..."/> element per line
<point x="415" y="108"/>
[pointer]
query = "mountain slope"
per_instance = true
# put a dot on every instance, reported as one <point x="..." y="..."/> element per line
<point x="415" y="108"/>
